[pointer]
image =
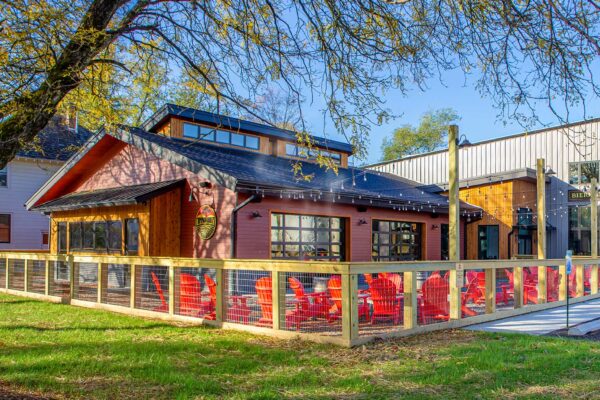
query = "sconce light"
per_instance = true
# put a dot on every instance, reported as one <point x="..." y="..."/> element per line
<point x="362" y="221"/>
<point x="434" y="227"/>
<point x="550" y="171"/>
<point x="256" y="214"/>
<point x="463" y="141"/>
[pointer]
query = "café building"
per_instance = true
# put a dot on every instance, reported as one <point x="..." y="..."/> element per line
<point x="189" y="183"/>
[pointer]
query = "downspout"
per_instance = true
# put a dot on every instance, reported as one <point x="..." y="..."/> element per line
<point x="234" y="222"/>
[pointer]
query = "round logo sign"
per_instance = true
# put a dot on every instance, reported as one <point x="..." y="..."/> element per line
<point x="206" y="222"/>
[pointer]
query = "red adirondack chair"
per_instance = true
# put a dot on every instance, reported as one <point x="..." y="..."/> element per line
<point x="237" y="311"/>
<point x="334" y="287"/>
<point x="434" y="304"/>
<point x="164" y="306"/>
<point x="475" y="287"/>
<point x="530" y="291"/>
<point x="212" y="304"/>
<point x="508" y="291"/>
<point x="308" y="305"/>
<point x="190" y="297"/>
<point x="386" y="303"/>
<point x="368" y="278"/>
<point x="264" y="291"/>
<point x="396" y="280"/>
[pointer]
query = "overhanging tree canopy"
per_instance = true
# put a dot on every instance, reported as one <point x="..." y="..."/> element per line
<point x="349" y="52"/>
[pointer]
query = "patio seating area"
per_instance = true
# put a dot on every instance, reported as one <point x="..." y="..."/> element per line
<point x="342" y="303"/>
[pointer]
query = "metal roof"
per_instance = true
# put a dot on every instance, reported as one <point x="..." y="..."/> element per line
<point x="118" y="196"/>
<point x="173" y="110"/>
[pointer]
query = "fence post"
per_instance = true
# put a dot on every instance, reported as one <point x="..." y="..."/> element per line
<point x="26" y="275"/>
<point x="580" y="277"/>
<point x="220" y="295"/>
<point x="410" y="299"/>
<point x="456" y="282"/>
<point x="132" y="286"/>
<point x="100" y="281"/>
<point x="518" y="286"/>
<point x="562" y="287"/>
<point x="71" y="265"/>
<point x="171" y="289"/>
<point x="47" y="278"/>
<point x="490" y="291"/>
<point x="541" y="229"/>
<point x="6" y="276"/>
<point x="594" y="226"/>
<point x="277" y="304"/>
<point x="349" y="307"/>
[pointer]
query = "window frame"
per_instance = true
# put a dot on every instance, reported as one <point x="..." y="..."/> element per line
<point x="336" y="226"/>
<point x="210" y="134"/>
<point x="578" y="165"/>
<point x="415" y="240"/>
<point x="6" y="173"/>
<point x="126" y="236"/>
<point x="579" y="230"/>
<point x="305" y="154"/>
<point x="479" y="251"/>
<point x="93" y="227"/>
<point x="9" y="215"/>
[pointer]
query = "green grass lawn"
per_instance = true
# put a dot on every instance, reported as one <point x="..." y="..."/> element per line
<point x="64" y="352"/>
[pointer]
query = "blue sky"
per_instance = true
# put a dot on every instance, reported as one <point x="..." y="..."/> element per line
<point x="479" y="115"/>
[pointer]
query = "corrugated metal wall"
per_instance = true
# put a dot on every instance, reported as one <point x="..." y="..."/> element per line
<point x="558" y="146"/>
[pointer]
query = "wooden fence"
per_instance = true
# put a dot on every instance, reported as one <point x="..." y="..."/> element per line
<point x="342" y="303"/>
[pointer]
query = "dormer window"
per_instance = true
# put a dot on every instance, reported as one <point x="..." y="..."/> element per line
<point x="294" y="150"/>
<point x="193" y="131"/>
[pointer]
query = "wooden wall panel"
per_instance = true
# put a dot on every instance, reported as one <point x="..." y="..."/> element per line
<point x="165" y="231"/>
<point x="140" y="211"/>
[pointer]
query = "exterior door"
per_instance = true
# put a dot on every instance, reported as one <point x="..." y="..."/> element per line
<point x="488" y="242"/>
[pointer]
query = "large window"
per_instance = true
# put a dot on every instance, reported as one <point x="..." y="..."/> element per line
<point x="307" y="237"/>
<point x="132" y="231"/>
<point x="488" y="242"/>
<point x="4" y="177"/>
<point x="99" y="236"/>
<point x="194" y="131"/>
<point x="396" y="241"/>
<point x="524" y="234"/>
<point x="583" y="172"/>
<point x="62" y="237"/>
<point x="580" y="232"/>
<point x="294" y="150"/>
<point x="4" y="228"/>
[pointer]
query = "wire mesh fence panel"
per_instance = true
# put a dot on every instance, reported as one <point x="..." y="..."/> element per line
<point x="248" y="297"/>
<point x="196" y="292"/>
<point x="37" y="276"/>
<point x="86" y="282"/>
<point x="313" y="302"/>
<point x="587" y="279"/>
<point x="60" y="275"/>
<point x="152" y="288"/>
<point x="380" y="302"/>
<point x="3" y="273"/>
<point x="473" y="293"/>
<point x="505" y="289"/>
<point x="16" y="274"/>
<point x="433" y="304"/>
<point x="116" y="284"/>
<point x="552" y="284"/>
<point x="530" y="285"/>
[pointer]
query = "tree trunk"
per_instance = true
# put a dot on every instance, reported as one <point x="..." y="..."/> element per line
<point x="28" y="115"/>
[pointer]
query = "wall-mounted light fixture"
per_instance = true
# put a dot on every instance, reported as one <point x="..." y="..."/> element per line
<point x="434" y="227"/>
<point x="195" y="191"/>
<point x="362" y="221"/>
<point x="462" y="141"/>
<point x="256" y="214"/>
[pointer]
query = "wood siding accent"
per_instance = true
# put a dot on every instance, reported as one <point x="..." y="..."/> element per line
<point x="500" y="202"/>
<point x="165" y="227"/>
<point x="140" y="211"/>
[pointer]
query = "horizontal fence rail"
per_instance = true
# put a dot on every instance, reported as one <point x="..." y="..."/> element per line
<point x="342" y="303"/>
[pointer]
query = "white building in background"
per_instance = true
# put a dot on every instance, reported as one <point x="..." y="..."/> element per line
<point x="572" y="152"/>
<point x="25" y="174"/>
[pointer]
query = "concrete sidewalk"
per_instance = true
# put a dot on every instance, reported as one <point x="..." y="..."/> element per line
<point x="543" y="322"/>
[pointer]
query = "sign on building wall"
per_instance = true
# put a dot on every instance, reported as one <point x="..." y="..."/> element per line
<point x="578" y="195"/>
<point x="206" y="222"/>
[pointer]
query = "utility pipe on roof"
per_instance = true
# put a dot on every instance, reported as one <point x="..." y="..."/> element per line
<point x="234" y="223"/>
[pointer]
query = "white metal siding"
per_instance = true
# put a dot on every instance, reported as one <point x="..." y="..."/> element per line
<point x="25" y="178"/>
<point x="558" y="146"/>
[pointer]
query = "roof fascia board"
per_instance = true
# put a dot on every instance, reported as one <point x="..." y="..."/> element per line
<point x="75" y="158"/>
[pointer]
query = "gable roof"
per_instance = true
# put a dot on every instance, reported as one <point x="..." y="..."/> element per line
<point x="119" y="196"/>
<point x="56" y="141"/>
<point x="173" y="110"/>
<point x="248" y="171"/>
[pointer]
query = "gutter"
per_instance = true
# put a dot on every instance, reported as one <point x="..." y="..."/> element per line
<point x="234" y="222"/>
